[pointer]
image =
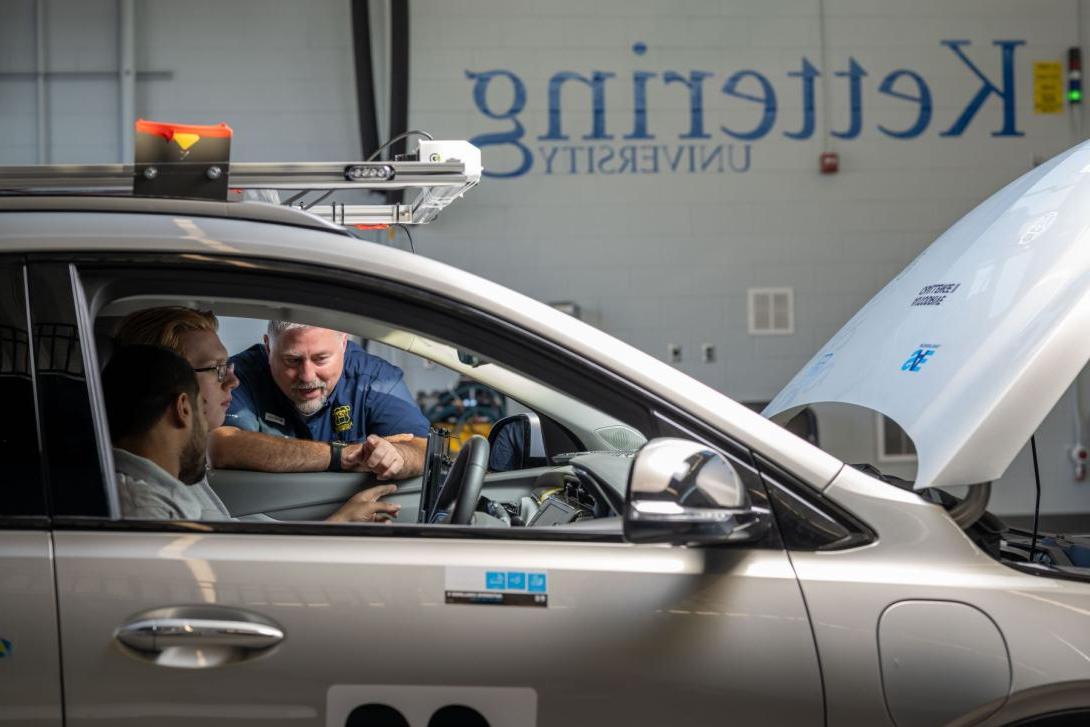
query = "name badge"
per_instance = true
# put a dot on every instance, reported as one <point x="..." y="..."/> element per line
<point x="270" y="417"/>
<point x="342" y="418"/>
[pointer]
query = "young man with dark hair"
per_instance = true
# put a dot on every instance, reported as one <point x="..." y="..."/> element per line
<point x="159" y="430"/>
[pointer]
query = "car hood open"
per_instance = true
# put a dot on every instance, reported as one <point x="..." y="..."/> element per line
<point x="972" y="344"/>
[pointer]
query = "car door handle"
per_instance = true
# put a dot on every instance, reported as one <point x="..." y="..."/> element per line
<point x="158" y="634"/>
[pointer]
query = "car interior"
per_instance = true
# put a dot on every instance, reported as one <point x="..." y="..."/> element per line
<point x="571" y="465"/>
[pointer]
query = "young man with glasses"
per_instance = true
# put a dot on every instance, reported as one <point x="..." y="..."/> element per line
<point x="193" y="335"/>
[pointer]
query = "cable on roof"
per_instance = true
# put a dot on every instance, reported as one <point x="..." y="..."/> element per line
<point x="399" y="137"/>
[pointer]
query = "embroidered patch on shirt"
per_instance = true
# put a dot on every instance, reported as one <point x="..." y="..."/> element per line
<point x="270" y="417"/>
<point x="342" y="418"/>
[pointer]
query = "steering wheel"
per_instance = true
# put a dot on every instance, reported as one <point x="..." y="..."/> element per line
<point x="462" y="488"/>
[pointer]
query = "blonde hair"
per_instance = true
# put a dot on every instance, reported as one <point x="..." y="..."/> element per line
<point x="164" y="326"/>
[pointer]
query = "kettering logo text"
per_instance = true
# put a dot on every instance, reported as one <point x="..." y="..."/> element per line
<point x="693" y="156"/>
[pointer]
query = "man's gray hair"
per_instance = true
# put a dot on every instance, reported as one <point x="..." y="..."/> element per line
<point x="278" y="327"/>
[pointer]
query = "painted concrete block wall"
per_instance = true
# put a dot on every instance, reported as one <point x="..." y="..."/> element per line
<point x="280" y="73"/>
<point x="661" y="256"/>
<point x="658" y="255"/>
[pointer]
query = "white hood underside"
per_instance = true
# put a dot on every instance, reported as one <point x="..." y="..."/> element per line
<point x="974" y="342"/>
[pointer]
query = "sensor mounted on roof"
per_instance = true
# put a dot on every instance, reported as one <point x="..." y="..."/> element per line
<point x="185" y="160"/>
<point x="181" y="160"/>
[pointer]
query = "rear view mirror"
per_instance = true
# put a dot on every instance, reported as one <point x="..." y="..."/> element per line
<point x="685" y="493"/>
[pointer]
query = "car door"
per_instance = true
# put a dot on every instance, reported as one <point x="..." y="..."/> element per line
<point x="30" y="675"/>
<point x="223" y="623"/>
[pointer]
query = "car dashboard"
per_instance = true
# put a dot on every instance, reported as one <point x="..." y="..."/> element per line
<point x="583" y="490"/>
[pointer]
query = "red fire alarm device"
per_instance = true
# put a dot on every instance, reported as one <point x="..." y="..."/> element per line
<point x="830" y="162"/>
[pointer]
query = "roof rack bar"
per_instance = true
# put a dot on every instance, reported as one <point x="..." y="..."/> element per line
<point x="67" y="176"/>
<point x="252" y="175"/>
<point x="365" y="214"/>
<point x="438" y="182"/>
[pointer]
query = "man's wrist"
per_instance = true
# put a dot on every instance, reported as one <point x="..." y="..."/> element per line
<point x="335" y="450"/>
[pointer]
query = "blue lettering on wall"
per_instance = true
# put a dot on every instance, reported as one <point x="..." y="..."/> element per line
<point x="987" y="88"/>
<point x="922" y="97"/>
<point x="807" y="74"/>
<point x="855" y="74"/>
<point x="574" y="159"/>
<point x="639" y="105"/>
<point x="695" y="82"/>
<point x="597" y="83"/>
<point x="698" y="150"/>
<point x="514" y="136"/>
<point x="767" y="97"/>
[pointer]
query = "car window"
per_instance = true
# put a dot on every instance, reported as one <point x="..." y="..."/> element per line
<point x="74" y="458"/>
<point x="469" y="401"/>
<point x="19" y="445"/>
<point x="455" y="373"/>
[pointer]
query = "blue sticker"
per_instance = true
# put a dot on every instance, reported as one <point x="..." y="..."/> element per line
<point x="5" y="648"/>
<point x="494" y="580"/>
<point x="918" y="358"/>
<point x="516" y="581"/>
<point x="536" y="583"/>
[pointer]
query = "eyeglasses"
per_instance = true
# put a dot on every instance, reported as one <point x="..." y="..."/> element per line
<point x="221" y="369"/>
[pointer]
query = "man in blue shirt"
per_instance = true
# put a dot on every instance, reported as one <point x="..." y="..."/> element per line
<point x="339" y="407"/>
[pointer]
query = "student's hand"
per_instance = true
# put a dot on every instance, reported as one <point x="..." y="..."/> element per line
<point x="365" y="507"/>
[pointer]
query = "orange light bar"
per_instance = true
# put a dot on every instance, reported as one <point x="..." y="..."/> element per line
<point x="170" y="131"/>
<point x="363" y="226"/>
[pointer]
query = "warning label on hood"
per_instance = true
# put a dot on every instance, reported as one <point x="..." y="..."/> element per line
<point x="935" y="294"/>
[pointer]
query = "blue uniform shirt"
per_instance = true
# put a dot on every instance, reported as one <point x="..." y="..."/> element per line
<point x="370" y="398"/>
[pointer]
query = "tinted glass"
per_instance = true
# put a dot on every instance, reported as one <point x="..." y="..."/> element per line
<point x="23" y="494"/>
<point x="71" y="451"/>
<point x="807" y="520"/>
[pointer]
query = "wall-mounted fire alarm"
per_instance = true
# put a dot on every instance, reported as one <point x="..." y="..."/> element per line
<point x="830" y="162"/>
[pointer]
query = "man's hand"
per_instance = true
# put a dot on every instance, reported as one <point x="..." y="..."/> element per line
<point x="364" y="507"/>
<point x="399" y="437"/>
<point x="373" y="454"/>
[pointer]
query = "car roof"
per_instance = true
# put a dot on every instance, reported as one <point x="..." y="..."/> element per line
<point x="100" y="224"/>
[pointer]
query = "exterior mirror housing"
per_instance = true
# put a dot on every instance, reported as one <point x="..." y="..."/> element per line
<point x="685" y="493"/>
<point x="516" y="442"/>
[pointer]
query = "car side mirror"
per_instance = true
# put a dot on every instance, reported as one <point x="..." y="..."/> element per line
<point x="685" y="493"/>
<point x="516" y="442"/>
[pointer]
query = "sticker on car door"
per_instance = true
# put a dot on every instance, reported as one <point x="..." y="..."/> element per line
<point x="356" y="705"/>
<point x="496" y="587"/>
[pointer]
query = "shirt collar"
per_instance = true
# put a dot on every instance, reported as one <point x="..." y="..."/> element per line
<point x="142" y="468"/>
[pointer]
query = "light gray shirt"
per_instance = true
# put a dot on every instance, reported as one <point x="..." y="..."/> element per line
<point x="148" y="492"/>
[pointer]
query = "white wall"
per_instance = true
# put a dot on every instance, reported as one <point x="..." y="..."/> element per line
<point x="280" y="73"/>
<point x="660" y="258"/>
<point x="654" y="258"/>
<point x="666" y="257"/>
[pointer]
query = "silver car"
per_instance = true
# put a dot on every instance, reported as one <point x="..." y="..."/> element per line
<point x="657" y="553"/>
